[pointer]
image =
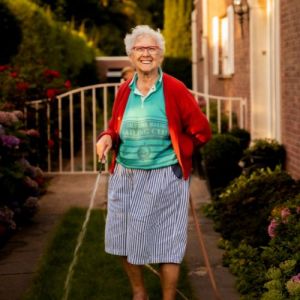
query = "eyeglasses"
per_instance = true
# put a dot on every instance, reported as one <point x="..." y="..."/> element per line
<point x="149" y="49"/>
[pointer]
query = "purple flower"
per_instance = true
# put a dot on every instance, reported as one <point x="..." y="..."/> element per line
<point x="296" y="278"/>
<point x="10" y="141"/>
<point x="272" y="227"/>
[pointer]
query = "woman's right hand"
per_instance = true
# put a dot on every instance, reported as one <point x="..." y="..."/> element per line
<point x="103" y="146"/>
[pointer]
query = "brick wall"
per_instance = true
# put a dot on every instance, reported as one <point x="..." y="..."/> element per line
<point x="239" y="84"/>
<point x="290" y="78"/>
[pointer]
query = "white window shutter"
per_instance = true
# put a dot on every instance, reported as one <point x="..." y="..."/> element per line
<point x="215" y="45"/>
<point x="230" y="16"/>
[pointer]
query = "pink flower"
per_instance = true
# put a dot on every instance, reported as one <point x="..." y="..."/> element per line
<point x="19" y="114"/>
<point x="298" y="210"/>
<point x="271" y="228"/>
<point x="8" y="118"/>
<point x="285" y="212"/>
<point x="68" y="84"/>
<point x="296" y="278"/>
<point x="33" y="132"/>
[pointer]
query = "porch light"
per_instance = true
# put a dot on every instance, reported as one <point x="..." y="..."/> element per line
<point x="241" y="8"/>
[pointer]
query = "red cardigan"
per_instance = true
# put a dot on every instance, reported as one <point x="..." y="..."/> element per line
<point x="188" y="126"/>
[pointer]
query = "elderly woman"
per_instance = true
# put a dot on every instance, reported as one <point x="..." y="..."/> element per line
<point x="155" y="126"/>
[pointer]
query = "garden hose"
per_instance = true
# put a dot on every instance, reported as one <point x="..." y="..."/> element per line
<point x="204" y="251"/>
<point x="80" y="238"/>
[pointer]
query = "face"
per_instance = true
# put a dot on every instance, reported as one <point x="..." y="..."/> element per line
<point x="146" y="55"/>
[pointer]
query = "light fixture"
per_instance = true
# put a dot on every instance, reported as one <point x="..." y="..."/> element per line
<point x="241" y="8"/>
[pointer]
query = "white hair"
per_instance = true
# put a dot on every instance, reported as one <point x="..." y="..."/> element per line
<point x="143" y="30"/>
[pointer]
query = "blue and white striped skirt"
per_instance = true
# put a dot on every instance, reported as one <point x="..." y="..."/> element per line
<point x="147" y="215"/>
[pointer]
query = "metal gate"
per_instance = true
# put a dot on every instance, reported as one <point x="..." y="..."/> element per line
<point x="69" y="124"/>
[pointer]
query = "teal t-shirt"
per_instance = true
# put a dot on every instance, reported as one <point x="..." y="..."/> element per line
<point x="144" y="134"/>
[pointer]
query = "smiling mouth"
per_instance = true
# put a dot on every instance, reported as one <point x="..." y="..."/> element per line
<point x="146" y="62"/>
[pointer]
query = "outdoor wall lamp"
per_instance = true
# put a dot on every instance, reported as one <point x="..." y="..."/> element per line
<point x="241" y="8"/>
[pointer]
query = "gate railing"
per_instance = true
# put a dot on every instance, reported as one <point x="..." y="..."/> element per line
<point x="223" y="112"/>
<point x="69" y="124"/>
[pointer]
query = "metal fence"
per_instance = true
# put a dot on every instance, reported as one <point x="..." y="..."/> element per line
<point x="69" y="124"/>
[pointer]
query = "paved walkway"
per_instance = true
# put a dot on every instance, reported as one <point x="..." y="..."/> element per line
<point x="19" y="257"/>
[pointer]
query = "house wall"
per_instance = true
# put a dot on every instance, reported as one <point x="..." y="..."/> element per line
<point x="239" y="83"/>
<point x="109" y="68"/>
<point x="290" y="83"/>
<point x="200" y="35"/>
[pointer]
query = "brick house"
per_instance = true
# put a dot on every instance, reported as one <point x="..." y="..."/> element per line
<point x="259" y="59"/>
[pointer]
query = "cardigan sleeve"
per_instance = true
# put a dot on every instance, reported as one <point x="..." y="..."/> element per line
<point x="112" y="124"/>
<point x="194" y="121"/>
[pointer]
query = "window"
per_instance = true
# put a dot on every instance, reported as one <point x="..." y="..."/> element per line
<point x="223" y="44"/>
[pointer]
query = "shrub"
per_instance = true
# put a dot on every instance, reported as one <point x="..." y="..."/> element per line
<point x="264" y="153"/>
<point x="243" y="135"/>
<point x="46" y="44"/>
<point x="221" y="156"/>
<point x="18" y="85"/>
<point x="21" y="183"/>
<point x="284" y="229"/>
<point x="10" y="33"/>
<point x="245" y="263"/>
<point x="270" y="272"/>
<point x="244" y="206"/>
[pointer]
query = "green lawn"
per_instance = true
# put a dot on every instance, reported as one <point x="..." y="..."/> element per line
<point x="97" y="275"/>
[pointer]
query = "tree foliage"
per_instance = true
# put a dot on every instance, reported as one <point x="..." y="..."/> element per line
<point x="177" y="27"/>
<point x="107" y="21"/>
<point x="10" y="33"/>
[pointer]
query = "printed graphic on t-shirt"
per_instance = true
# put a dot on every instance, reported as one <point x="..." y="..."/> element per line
<point x="145" y="129"/>
<point x="144" y="139"/>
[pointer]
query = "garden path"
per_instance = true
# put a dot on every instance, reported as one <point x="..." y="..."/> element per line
<point x="19" y="257"/>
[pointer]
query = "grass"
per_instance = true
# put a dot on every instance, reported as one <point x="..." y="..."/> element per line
<point x="97" y="275"/>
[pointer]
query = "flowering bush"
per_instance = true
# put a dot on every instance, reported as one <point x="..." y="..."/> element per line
<point x="21" y="183"/>
<point x="18" y="85"/>
<point x="6" y="217"/>
<point x="270" y="272"/>
<point x="243" y="208"/>
<point x="293" y="286"/>
<point x="282" y="285"/>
